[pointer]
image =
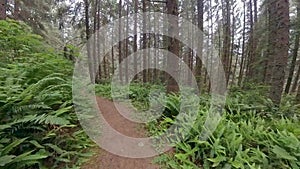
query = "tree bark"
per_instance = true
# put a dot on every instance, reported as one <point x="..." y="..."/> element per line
<point x="279" y="22"/>
<point x="254" y="73"/>
<point x="120" y="43"/>
<point x="226" y="41"/>
<point x="144" y="45"/>
<point x="232" y="45"/>
<point x="112" y="54"/>
<point x="126" y="49"/>
<point x="198" y="68"/>
<point x="298" y="95"/>
<point x="293" y="65"/>
<point x="88" y="34"/>
<point x="3" y="8"/>
<point x="96" y="43"/>
<point x="295" y="84"/>
<point x="17" y="9"/>
<point x="295" y="52"/>
<point x="102" y="71"/>
<point x="251" y="57"/>
<point x="241" y="73"/>
<point x="135" y="44"/>
<point x="235" y="64"/>
<point x="173" y="46"/>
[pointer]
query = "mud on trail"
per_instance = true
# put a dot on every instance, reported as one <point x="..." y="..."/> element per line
<point x="106" y="160"/>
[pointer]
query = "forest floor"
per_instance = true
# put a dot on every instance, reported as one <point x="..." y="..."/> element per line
<point x="105" y="160"/>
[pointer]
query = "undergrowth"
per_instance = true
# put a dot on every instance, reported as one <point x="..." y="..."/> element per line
<point x="38" y="126"/>
<point x="252" y="132"/>
<point x="139" y="94"/>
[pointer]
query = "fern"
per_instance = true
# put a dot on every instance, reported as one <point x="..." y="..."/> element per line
<point x="42" y="119"/>
<point x="36" y="110"/>
<point x="243" y="139"/>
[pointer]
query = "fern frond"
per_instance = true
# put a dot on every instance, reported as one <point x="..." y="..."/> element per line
<point x="42" y="119"/>
<point x="30" y="108"/>
<point x="10" y="147"/>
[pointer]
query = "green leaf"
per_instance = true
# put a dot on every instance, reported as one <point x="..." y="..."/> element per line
<point x="56" y="148"/>
<point x="6" y="159"/>
<point x="56" y="120"/>
<point x="282" y="153"/>
<point x="63" y="159"/>
<point x="5" y="140"/>
<point x="20" y="157"/>
<point x="2" y="127"/>
<point x="217" y="160"/>
<point x="35" y="143"/>
<point x="33" y="157"/>
<point x="237" y="164"/>
<point x="62" y="111"/>
<point x="9" y="148"/>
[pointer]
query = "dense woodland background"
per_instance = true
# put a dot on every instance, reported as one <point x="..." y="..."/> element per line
<point x="257" y="42"/>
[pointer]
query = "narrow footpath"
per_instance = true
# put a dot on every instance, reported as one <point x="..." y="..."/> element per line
<point x="106" y="160"/>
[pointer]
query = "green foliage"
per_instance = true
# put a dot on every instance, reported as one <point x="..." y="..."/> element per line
<point x="253" y="98"/>
<point x="252" y="133"/>
<point x="138" y="93"/>
<point x="172" y="105"/>
<point x="38" y="126"/>
<point x="103" y="90"/>
<point x="249" y="135"/>
<point x="17" y="41"/>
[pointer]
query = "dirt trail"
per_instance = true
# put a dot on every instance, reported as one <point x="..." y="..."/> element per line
<point x="106" y="160"/>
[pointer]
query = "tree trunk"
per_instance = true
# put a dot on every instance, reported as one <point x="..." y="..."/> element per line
<point x="173" y="46"/>
<point x="135" y="44"/>
<point x="251" y="58"/>
<point x="232" y="45"/>
<point x="144" y="45"/>
<point x="96" y="44"/>
<point x="198" y="68"/>
<point x="279" y="27"/>
<point x="298" y="95"/>
<point x="255" y="73"/>
<point x="112" y="54"/>
<point x="212" y="37"/>
<point x="88" y="34"/>
<point x="155" y="71"/>
<point x="102" y="71"/>
<point x="235" y="64"/>
<point x="295" y="84"/>
<point x="149" y="58"/>
<point x="241" y="73"/>
<point x="265" y="53"/>
<point x="156" y="59"/>
<point x="17" y="10"/>
<point x="120" y="43"/>
<point x="226" y="41"/>
<point x="3" y="8"/>
<point x="255" y="11"/>
<point x="126" y="49"/>
<point x="295" y="52"/>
